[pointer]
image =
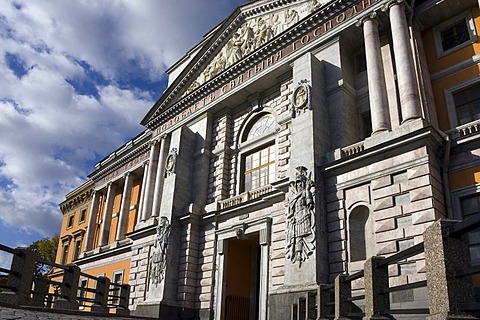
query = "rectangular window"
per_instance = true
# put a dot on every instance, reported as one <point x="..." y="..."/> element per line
<point x="65" y="248"/>
<point x="467" y="104"/>
<point x="77" y="249"/>
<point x="83" y="214"/>
<point x="70" y="221"/>
<point x="82" y="293"/>
<point x="471" y="206"/>
<point x="118" y="279"/>
<point x="259" y="168"/>
<point x="454" y="34"/>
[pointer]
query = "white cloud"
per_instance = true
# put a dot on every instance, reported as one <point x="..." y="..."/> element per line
<point x="66" y="99"/>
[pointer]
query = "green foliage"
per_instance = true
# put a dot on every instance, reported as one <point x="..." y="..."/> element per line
<point x="46" y="248"/>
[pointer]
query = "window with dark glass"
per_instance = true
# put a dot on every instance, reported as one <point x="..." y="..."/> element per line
<point x="65" y="249"/>
<point x="83" y="214"/>
<point x="467" y="104"/>
<point x="70" y="221"/>
<point x="77" y="249"/>
<point x="471" y="206"/>
<point x="455" y="35"/>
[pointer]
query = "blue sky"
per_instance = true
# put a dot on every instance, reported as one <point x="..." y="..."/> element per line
<point x="76" y="78"/>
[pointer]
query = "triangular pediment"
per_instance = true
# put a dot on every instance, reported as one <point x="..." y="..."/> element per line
<point x="253" y="32"/>
<point x="250" y="27"/>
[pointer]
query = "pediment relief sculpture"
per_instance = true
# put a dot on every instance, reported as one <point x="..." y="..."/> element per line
<point x="251" y="35"/>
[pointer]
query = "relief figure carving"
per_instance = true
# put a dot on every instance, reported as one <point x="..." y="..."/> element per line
<point x="158" y="259"/>
<point x="263" y="33"/>
<point x="291" y="17"/>
<point x="300" y="232"/>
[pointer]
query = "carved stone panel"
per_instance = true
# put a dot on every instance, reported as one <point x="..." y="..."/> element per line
<point x="300" y="232"/>
<point x="251" y="35"/>
<point x="158" y="259"/>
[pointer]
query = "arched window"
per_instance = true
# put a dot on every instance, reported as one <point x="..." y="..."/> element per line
<point x="261" y="126"/>
<point x="258" y="153"/>
<point x="360" y="234"/>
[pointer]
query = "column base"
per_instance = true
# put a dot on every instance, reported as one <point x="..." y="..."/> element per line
<point x="147" y="223"/>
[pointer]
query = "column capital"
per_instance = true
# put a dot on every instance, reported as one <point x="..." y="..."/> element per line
<point x="386" y="7"/>
<point x="112" y="184"/>
<point x="128" y="173"/>
<point x="155" y="141"/>
<point x="370" y="16"/>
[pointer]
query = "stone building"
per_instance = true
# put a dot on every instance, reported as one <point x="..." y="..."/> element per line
<point x="299" y="138"/>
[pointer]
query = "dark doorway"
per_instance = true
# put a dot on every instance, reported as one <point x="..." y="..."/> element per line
<point x="242" y="276"/>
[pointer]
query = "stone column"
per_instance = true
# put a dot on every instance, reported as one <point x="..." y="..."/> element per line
<point x="324" y="297"/>
<point x="376" y="279"/>
<point x="377" y="88"/>
<point x="92" y="221"/>
<point x="107" y="215"/>
<point x="142" y="192"/>
<point x="343" y="291"/>
<point x="446" y="257"/>
<point x="157" y="195"/>
<point x="402" y="50"/>
<point x="221" y="281"/>
<point x="150" y="184"/>
<point x="125" y="206"/>
<point x="264" y="241"/>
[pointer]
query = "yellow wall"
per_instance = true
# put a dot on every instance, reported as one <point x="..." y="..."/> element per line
<point x="436" y="64"/>
<point x="464" y="178"/>
<point x="109" y="269"/>
<point x="64" y="231"/>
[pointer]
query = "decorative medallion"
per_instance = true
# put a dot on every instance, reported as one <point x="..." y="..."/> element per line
<point x="158" y="259"/>
<point x="171" y="162"/>
<point x="300" y="97"/>
<point x="300" y="232"/>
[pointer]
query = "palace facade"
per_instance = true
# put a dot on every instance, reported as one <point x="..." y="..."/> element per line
<point x="297" y="139"/>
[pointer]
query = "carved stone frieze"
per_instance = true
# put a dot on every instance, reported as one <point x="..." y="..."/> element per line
<point x="251" y="35"/>
<point x="300" y="231"/>
<point x="158" y="258"/>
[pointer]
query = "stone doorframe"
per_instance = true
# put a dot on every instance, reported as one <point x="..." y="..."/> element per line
<point x="263" y="227"/>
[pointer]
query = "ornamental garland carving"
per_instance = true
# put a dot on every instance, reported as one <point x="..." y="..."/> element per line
<point x="300" y="232"/>
<point x="251" y="35"/>
<point x="158" y="259"/>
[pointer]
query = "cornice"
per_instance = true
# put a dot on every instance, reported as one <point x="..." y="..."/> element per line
<point x="77" y="201"/>
<point x="116" y="164"/>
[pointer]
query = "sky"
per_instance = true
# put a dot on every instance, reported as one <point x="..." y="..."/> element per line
<point x="76" y="78"/>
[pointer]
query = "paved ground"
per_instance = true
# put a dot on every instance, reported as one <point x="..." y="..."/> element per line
<point x="7" y="313"/>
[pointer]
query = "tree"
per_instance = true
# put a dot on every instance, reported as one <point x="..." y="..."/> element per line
<point x="46" y="248"/>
